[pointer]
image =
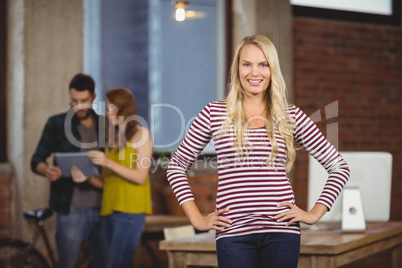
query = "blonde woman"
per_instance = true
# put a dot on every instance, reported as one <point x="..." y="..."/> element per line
<point x="253" y="131"/>
<point x="125" y="179"/>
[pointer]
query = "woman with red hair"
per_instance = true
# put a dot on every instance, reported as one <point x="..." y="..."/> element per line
<point x="125" y="179"/>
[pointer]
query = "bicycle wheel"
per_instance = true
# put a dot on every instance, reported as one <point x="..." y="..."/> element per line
<point x="14" y="254"/>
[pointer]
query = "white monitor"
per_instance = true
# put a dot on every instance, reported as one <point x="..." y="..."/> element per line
<point x="370" y="171"/>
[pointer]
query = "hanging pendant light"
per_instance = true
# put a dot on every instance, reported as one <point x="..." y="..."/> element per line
<point x="180" y="10"/>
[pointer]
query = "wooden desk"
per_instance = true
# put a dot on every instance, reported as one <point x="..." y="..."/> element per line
<point x="323" y="246"/>
<point x="156" y="223"/>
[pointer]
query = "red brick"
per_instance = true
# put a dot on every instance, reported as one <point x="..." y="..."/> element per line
<point x="211" y="178"/>
<point x="192" y="179"/>
<point x="4" y="192"/>
<point x="4" y="181"/>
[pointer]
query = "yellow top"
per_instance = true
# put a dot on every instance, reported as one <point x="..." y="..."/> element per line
<point x="120" y="194"/>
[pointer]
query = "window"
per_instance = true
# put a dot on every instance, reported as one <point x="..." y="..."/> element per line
<point x="174" y="68"/>
<point x="373" y="11"/>
<point x="186" y="67"/>
<point x="381" y="7"/>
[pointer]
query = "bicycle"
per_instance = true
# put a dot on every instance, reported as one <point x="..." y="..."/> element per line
<point x="16" y="253"/>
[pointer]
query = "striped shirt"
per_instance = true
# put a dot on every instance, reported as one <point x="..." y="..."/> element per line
<point x="247" y="186"/>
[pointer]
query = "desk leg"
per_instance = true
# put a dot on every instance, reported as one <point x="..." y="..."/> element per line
<point x="304" y="262"/>
<point x="151" y="253"/>
<point x="323" y="261"/>
<point x="312" y="261"/>
<point x="177" y="259"/>
<point x="396" y="256"/>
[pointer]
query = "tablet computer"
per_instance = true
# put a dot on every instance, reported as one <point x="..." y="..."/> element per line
<point x="79" y="159"/>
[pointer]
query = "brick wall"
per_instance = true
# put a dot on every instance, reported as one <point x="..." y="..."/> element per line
<point x="5" y="213"/>
<point x="203" y="179"/>
<point x="5" y="199"/>
<point x="360" y="66"/>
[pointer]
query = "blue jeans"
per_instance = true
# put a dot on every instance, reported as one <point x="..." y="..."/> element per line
<point x="276" y="250"/>
<point x="123" y="232"/>
<point x="72" y="230"/>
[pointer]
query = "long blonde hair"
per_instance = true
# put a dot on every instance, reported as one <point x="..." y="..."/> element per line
<point x="276" y="116"/>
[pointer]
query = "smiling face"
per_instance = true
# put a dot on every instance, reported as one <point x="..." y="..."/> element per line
<point x="254" y="71"/>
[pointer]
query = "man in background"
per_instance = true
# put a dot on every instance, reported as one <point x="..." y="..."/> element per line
<point x="77" y="206"/>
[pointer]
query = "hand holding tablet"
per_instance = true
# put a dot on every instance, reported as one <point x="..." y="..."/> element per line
<point x="98" y="158"/>
<point x="79" y="159"/>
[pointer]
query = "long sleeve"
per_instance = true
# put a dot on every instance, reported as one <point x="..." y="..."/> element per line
<point x="195" y="141"/>
<point x="45" y="146"/>
<point x="308" y="135"/>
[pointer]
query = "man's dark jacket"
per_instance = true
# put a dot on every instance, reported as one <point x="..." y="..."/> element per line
<point x="55" y="139"/>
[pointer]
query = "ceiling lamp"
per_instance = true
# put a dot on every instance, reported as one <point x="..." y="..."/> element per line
<point x="180" y="10"/>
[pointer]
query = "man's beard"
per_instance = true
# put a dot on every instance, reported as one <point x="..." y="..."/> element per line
<point x="86" y="115"/>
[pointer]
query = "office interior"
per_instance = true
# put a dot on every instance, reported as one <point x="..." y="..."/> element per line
<point x="348" y="60"/>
